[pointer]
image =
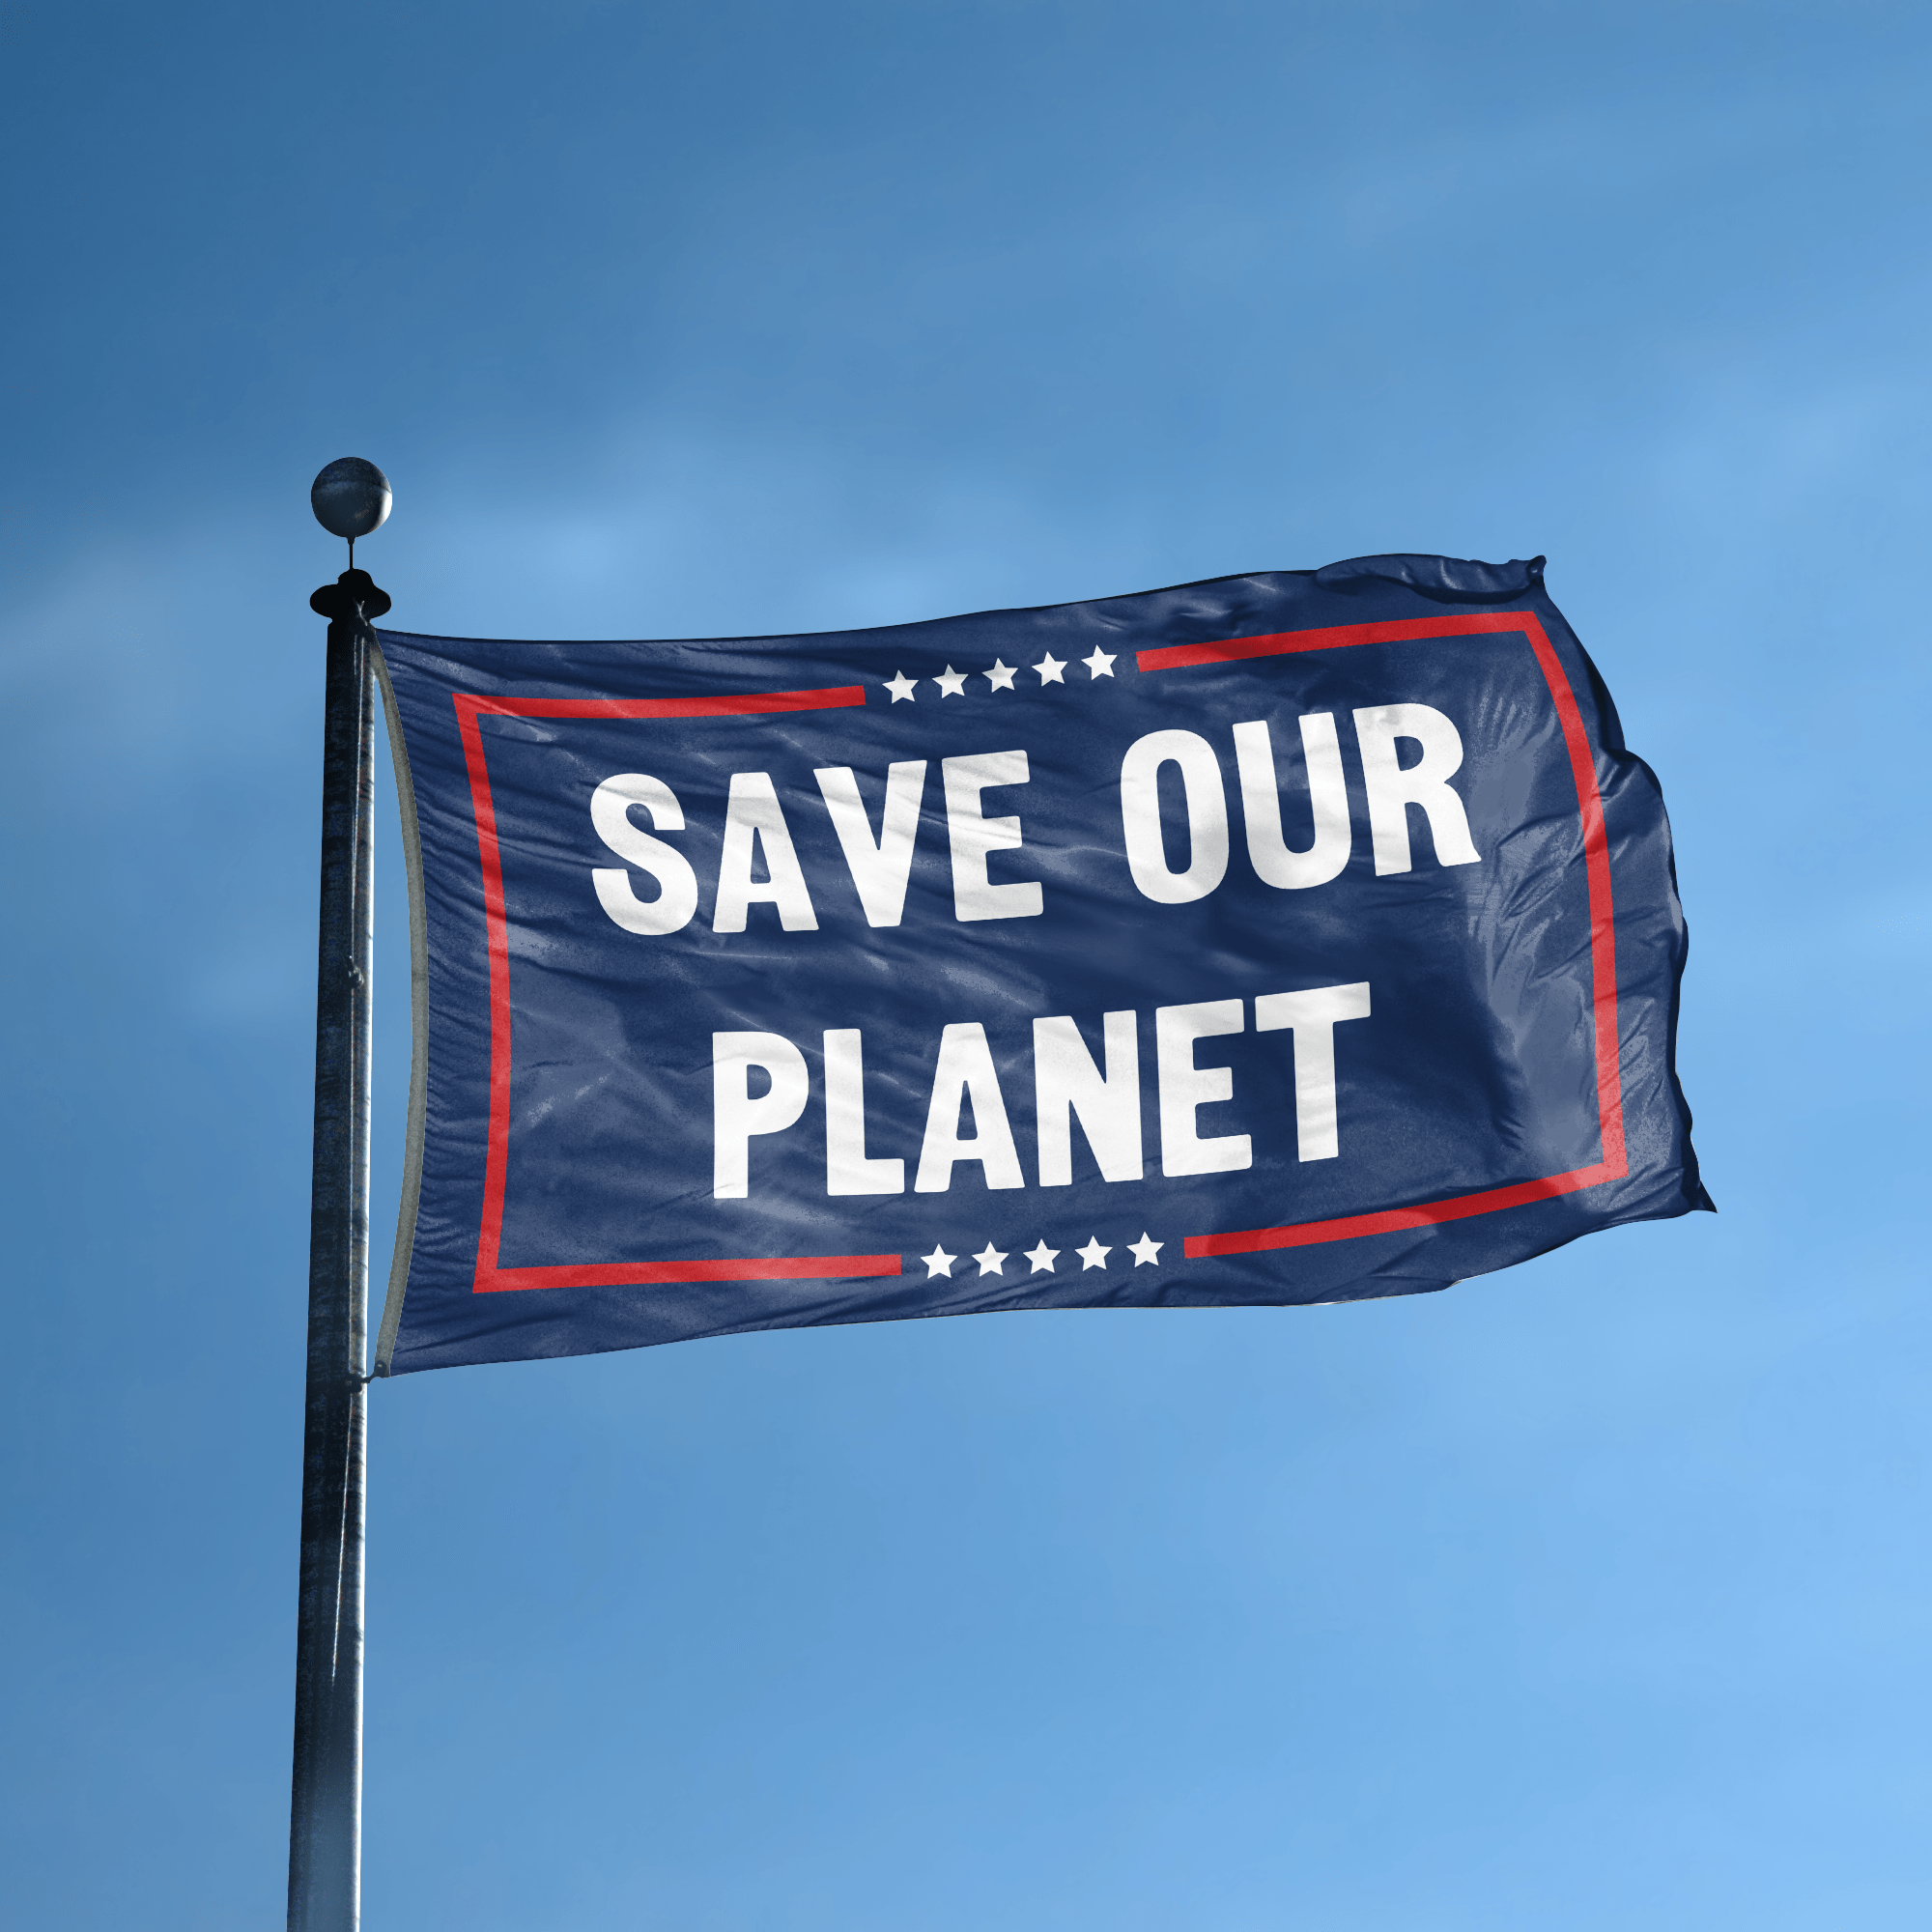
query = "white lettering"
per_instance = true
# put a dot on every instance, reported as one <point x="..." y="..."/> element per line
<point x="1276" y="862"/>
<point x="1184" y="1087"/>
<point x="879" y="870"/>
<point x="1392" y="789"/>
<point x="1065" y="1081"/>
<point x="973" y="837"/>
<point x="965" y="1071"/>
<point x="754" y="818"/>
<point x="847" y="1170"/>
<point x="1314" y="1016"/>
<point x="677" y="884"/>
<point x="735" y="1116"/>
<point x="1207" y="816"/>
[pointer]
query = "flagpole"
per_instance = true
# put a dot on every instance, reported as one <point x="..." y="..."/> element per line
<point x="326" y="1808"/>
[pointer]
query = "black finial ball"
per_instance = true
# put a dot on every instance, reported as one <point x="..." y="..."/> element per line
<point x="351" y="497"/>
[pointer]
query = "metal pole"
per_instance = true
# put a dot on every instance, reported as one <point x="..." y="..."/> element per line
<point x="326" y="1825"/>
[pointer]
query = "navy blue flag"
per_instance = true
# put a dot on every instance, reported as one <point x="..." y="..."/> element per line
<point x="1301" y="937"/>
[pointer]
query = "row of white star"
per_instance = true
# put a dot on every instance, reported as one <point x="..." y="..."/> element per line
<point x="1093" y="1256"/>
<point x="953" y="683"/>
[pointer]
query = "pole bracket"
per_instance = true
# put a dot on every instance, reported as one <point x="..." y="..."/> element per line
<point x="355" y="596"/>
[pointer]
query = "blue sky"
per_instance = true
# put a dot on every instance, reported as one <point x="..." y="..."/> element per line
<point x="1594" y="1594"/>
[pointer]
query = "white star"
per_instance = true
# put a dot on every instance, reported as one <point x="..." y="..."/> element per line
<point x="1100" y="664"/>
<point x="901" y="686"/>
<point x="1093" y="1254"/>
<point x="992" y="1261"/>
<point x="1049" y="668"/>
<point x="938" y="1262"/>
<point x="1042" y="1257"/>
<point x="1001" y="676"/>
<point x="953" y="683"/>
<point x="1146" y="1249"/>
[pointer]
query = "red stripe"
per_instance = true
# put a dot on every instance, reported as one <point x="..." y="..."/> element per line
<point x="1615" y="1163"/>
<point x="747" y="704"/>
<point x="1392" y="1220"/>
<point x="1174" y="657"/>
<point x="1603" y="915"/>
<point x="638" y="1274"/>
<point x="497" y="1155"/>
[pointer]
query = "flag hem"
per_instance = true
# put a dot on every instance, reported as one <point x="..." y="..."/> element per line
<point x="418" y="1107"/>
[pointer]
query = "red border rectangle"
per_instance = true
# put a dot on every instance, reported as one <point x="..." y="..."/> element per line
<point x="1615" y="1163"/>
<point x="1613" y="1166"/>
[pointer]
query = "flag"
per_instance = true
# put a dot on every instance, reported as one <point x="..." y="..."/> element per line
<point x="1307" y="936"/>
